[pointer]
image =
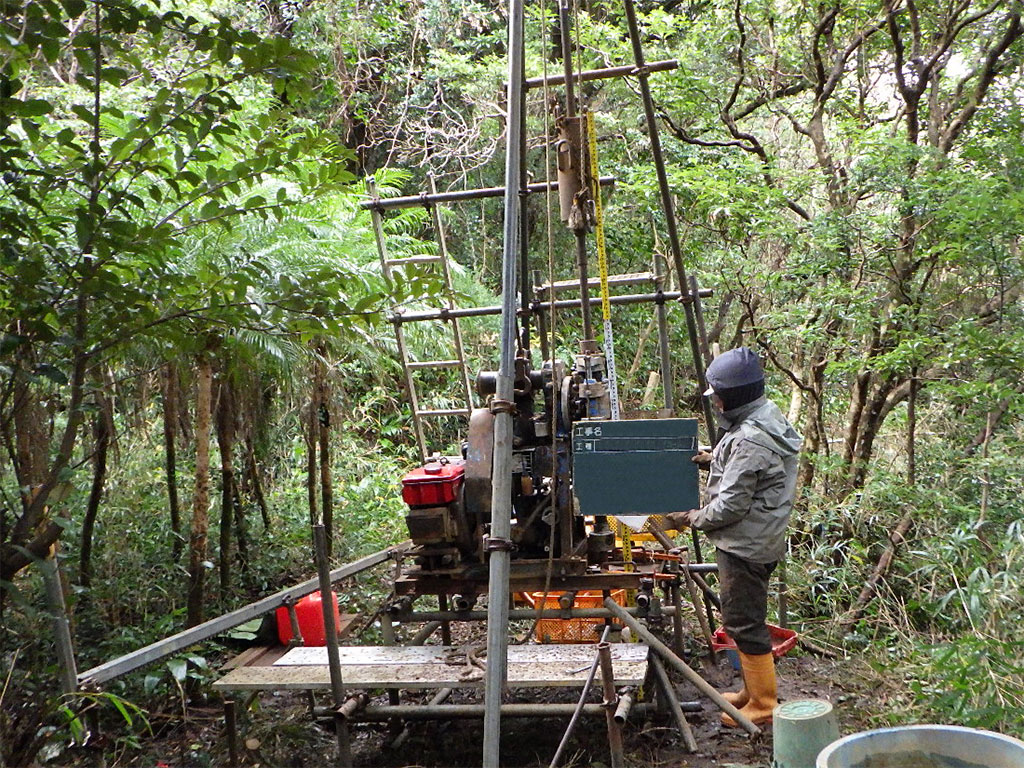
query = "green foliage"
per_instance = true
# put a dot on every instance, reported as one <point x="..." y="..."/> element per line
<point x="176" y="182"/>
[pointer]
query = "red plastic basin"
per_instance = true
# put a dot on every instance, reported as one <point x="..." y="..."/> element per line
<point x="783" y="640"/>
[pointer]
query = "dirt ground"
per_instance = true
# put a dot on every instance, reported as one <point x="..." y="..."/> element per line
<point x="277" y="730"/>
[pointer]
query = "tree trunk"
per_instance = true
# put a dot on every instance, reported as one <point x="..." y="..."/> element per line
<point x="866" y="431"/>
<point x="170" y="398"/>
<point x="201" y="498"/>
<point x="31" y="438"/>
<point x="102" y="430"/>
<point x="256" y="483"/>
<point x="35" y="531"/>
<point x="241" y="528"/>
<point x="225" y="444"/>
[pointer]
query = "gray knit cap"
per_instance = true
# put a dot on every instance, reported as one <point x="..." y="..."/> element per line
<point x="733" y="369"/>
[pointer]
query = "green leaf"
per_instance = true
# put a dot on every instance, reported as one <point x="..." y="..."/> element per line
<point x="179" y="669"/>
<point x="150" y="683"/>
<point x="118" y="703"/>
<point x="27" y="108"/>
<point x="50" y="372"/>
<point x="82" y="112"/>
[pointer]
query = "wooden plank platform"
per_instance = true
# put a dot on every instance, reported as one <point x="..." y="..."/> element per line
<point x="434" y="666"/>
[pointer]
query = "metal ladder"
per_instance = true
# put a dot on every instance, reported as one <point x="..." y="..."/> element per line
<point x="458" y="361"/>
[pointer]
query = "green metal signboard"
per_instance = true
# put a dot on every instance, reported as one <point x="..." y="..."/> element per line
<point x="636" y="467"/>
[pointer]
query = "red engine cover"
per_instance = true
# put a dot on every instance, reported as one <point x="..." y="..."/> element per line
<point x="434" y="484"/>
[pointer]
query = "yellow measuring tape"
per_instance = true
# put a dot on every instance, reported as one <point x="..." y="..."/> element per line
<point x="602" y="265"/>
<point x="606" y="316"/>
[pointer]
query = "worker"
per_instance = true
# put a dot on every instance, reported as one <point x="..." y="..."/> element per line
<point x="750" y="489"/>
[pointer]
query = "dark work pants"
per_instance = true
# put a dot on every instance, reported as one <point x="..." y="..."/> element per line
<point x="744" y="593"/>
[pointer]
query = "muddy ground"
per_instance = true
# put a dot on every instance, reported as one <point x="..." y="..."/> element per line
<point x="277" y="729"/>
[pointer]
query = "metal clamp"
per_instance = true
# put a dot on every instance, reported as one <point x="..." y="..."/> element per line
<point x="501" y="406"/>
<point x="494" y="544"/>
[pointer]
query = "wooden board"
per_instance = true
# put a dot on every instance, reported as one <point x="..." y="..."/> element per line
<point x="264" y="655"/>
<point x="435" y="667"/>
<point x="367" y="655"/>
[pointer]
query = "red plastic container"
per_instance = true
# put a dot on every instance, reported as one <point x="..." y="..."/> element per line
<point x="310" y="613"/>
<point x="434" y="484"/>
<point x="783" y="640"/>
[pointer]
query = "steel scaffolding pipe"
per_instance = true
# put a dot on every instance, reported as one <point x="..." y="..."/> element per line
<point x="665" y="65"/>
<point x="434" y="711"/>
<point x="524" y="614"/>
<point x="668" y="206"/>
<point x="499" y="543"/>
<point x="610" y="703"/>
<point x="580" y="703"/>
<point x="538" y="306"/>
<point x="377" y="713"/>
<point x="323" y="569"/>
<point x="623" y="708"/>
<point x="427" y="199"/>
<point x="171" y="645"/>
<point x="674" y="707"/>
<point x="679" y="665"/>
<point x="614" y="281"/>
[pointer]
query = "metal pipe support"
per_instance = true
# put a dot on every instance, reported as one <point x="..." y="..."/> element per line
<point x="681" y="666"/>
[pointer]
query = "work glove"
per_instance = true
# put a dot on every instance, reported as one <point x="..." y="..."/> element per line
<point x="679" y="520"/>
<point x="702" y="459"/>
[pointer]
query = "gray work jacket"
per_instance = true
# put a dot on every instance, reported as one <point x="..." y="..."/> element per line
<point x="751" y="484"/>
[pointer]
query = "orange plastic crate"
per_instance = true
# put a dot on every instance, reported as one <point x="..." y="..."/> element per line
<point x="572" y="630"/>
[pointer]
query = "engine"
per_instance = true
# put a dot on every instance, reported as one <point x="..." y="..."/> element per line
<point x="450" y="498"/>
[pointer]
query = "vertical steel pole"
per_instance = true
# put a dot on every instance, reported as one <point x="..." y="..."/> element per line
<point x="669" y="208"/>
<point x="61" y="625"/>
<point x="501" y="479"/>
<point x="446" y="626"/>
<point x="323" y="569"/>
<point x="610" y="701"/>
<point x="231" y="729"/>
<point x="524" y="224"/>
<point x="668" y="387"/>
<point x="387" y="634"/>
<point x="702" y="331"/>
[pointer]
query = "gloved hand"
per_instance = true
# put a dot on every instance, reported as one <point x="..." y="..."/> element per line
<point x="679" y="520"/>
<point x="702" y="459"/>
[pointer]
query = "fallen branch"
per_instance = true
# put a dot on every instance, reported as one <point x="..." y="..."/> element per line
<point x="816" y="649"/>
<point x="896" y="538"/>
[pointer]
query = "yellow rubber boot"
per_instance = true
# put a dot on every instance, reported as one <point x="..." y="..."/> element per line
<point x="738" y="698"/>
<point x="759" y="683"/>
